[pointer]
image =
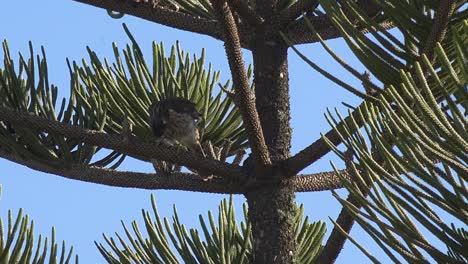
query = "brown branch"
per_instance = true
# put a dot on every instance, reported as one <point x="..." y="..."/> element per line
<point x="134" y="147"/>
<point x="126" y="179"/>
<point x="299" y="33"/>
<point x="246" y="12"/>
<point x="337" y="239"/>
<point x="439" y="28"/>
<point x="296" y="10"/>
<point x="239" y="156"/>
<point x="246" y="100"/>
<point x="344" y="222"/>
<point x="161" y="15"/>
<point x="320" y="181"/>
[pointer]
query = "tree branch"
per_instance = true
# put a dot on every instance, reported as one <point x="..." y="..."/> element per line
<point x="134" y="147"/>
<point x="336" y="240"/>
<point x="439" y="28"/>
<point x="247" y="13"/>
<point x="299" y="33"/>
<point x="161" y="15"/>
<point x="345" y="220"/>
<point x="173" y="181"/>
<point x="320" y="181"/>
<point x="296" y="10"/>
<point x="245" y="98"/>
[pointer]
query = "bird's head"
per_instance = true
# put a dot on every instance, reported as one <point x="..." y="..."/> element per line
<point x="173" y="109"/>
<point x="184" y="106"/>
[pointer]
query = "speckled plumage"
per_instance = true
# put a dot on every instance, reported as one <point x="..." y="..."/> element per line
<point x="174" y="120"/>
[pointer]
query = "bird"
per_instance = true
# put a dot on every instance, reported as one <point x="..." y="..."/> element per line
<point x="174" y="121"/>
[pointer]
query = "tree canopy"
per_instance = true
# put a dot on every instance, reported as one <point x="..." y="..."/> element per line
<point x="404" y="146"/>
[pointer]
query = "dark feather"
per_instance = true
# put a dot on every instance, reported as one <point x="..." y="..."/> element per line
<point x="156" y="119"/>
<point x="159" y="112"/>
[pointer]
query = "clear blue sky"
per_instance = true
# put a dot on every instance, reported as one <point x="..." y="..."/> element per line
<point x="81" y="212"/>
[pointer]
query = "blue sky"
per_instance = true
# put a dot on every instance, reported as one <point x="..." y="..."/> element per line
<point x="81" y="212"/>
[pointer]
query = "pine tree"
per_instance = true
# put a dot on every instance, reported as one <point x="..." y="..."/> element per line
<point x="404" y="147"/>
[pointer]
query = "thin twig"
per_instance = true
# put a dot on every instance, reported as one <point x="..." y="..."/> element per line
<point x="230" y="94"/>
<point x="319" y="148"/>
<point x="239" y="156"/>
<point x="224" y="150"/>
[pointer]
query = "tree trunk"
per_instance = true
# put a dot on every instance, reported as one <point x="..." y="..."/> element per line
<point x="271" y="203"/>
<point x="271" y="212"/>
<point x="272" y="95"/>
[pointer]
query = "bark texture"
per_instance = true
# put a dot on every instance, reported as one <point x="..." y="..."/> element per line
<point x="336" y="240"/>
<point x="271" y="212"/>
<point x="272" y="95"/>
<point x="271" y="204"/>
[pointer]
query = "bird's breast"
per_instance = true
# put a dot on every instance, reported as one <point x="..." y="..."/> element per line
<point x="182" y="128"/>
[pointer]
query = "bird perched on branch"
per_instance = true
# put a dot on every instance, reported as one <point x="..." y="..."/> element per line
<point x="174" y="120"/>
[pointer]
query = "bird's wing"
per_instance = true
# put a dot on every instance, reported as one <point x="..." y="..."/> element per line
<point x="157" y="119"/>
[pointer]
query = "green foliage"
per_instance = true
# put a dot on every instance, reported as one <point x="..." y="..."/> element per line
<point x="415" y="123"/>
<point x="225" y="241"/>
<point x="17" y="244"/>
<point x="385" y="52"/>
<point x="22" y="90"/>
<point x="128" y="87"/>
<point x="412" y="153"/>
